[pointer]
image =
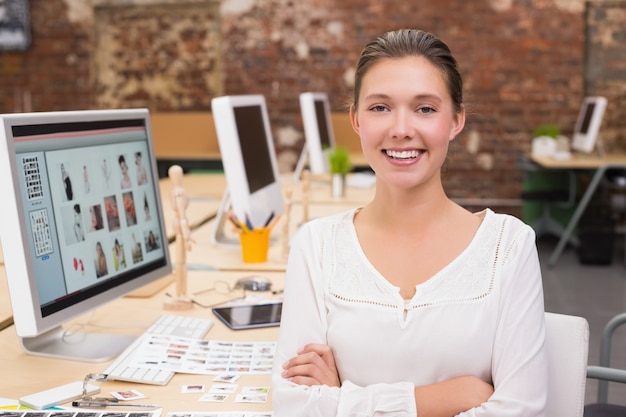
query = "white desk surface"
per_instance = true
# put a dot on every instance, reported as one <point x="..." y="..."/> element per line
<point x="24" y="374"/>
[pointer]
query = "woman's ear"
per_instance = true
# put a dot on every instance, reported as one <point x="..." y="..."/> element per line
<point x="354" y="119"/>
<point x="458" y="124"/>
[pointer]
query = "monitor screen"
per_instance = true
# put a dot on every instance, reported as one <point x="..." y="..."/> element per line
<point x="249" y="159"/>
<point x="321" y="112"/>
<point x="82" y="212"/>
<point x="587" y="113"/>
<point x="254" y="147"/>
<point x="318" y="133"/>
<point x="587" y="127"/>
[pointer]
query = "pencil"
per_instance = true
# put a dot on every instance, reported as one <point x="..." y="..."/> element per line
<point x="238" y="224"/>
<point x="273" y="222"/>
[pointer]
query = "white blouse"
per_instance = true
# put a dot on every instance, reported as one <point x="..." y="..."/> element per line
<point x="482" y="315"/>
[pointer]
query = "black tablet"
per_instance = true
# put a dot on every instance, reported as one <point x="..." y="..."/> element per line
<point x="250" y="316"/>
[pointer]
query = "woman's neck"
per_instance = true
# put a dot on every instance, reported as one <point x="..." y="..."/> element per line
<point x="406" y="209"/>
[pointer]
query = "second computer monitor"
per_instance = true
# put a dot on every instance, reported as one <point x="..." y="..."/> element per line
<point x="249" y="159"/>
<point x="318" y="132"/>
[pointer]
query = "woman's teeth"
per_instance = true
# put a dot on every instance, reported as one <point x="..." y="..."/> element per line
<point x="402" y="154"/>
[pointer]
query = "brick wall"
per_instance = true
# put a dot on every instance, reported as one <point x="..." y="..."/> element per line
<point x="605" y="66"/>
<point x="525" y="62"/>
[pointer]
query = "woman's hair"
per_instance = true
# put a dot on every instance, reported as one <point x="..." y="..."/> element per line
<point x="411" y="42"/>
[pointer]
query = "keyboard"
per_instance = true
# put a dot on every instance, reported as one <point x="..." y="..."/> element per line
<point x="122" y="368"/>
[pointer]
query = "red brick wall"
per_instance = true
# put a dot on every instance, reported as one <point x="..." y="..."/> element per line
<point x="525" y="62"/>
<point x="605" y="66"/>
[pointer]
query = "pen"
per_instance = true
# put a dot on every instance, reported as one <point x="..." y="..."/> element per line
<point x="248" y="223"/>
<point x="269" y="219"/>
<point x="273" y="222"/>
<point x="103" y="404"/>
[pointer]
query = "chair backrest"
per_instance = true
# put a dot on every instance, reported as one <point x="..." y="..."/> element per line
<point x="567" y="339"/>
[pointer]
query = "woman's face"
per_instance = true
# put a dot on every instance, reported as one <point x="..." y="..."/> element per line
<point x="406" y="120"/>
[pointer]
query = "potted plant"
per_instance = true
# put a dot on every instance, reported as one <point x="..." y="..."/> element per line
<point x="339" y="165"/>
<point x="548" y="140"/>
<point x="550" y="130"/>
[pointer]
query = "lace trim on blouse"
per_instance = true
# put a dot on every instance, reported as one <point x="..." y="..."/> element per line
<point x="469" y="277"/>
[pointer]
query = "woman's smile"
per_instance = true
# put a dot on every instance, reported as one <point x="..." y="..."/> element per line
<point x="403" y="155"/>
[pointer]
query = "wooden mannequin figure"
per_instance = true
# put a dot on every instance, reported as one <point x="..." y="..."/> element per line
<point x="180" y="202"/>
<point x="286" y="221"/>
<point x="306" y="187"/>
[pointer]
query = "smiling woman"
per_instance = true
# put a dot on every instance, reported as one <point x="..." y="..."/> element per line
<point x="449" y="302"/>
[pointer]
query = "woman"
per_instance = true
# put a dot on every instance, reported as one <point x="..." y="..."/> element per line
<point x="101" y="261"/>
<point x="411" y="305"/>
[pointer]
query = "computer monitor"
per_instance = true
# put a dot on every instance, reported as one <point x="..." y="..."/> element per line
<point x="318" y="133"/>
<point x="249" y="159"/>
<point x="585" y="137"/>
<point x="81" y="222"/>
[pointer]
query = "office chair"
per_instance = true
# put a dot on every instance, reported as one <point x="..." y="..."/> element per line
<point x="551" y="197"/>
<point x="605" y="374"/>
<point x="567" y="340"/>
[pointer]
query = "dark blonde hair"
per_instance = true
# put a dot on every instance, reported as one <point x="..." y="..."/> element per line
<point x="411" y="42"/>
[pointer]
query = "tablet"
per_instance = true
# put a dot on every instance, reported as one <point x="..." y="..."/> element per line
<point x="250" y="316"/>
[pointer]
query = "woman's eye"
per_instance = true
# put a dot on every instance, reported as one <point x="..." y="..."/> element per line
<point x="378" y="108"/>
<point x="426" y="110"/>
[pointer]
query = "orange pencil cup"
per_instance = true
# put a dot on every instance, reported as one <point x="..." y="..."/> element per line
<point x="255" y="244"/>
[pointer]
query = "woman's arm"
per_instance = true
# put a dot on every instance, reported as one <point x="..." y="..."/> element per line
<point x="315" y="365"/>
<point x="305" y="379"/>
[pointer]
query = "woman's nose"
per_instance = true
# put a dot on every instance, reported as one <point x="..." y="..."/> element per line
<point x="403" y="124"/>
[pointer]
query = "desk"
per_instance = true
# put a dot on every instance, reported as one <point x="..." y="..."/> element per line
<point x="205" y="254"/>
<point x="578" y="161"/>
<point x="24" y="374"/>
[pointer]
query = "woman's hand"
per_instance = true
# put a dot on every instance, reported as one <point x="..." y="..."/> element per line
<point x="314" y="365"/>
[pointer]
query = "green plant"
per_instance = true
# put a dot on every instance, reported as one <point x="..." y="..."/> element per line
<point x="339" y="160"/>
<point x="551" y="130"/>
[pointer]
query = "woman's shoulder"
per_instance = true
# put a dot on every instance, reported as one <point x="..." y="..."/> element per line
<point x="508" y="224"/>
<point x="328" y="224"/>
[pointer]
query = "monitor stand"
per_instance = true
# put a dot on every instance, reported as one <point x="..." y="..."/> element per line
<point x="302" y="161"/>
<point x="600" y="147"/>
<point x="86" y="347"/>
<point x="218" y="236"/>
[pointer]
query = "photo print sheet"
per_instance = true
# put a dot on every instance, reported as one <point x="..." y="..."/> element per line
<point x="206" y="357"/>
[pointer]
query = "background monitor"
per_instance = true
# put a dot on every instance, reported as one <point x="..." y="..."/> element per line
<point x="249" y="160"/>
<point x="74" y="224"/>
<point x="585" y="135"/>
<point x="318" y="133"/>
